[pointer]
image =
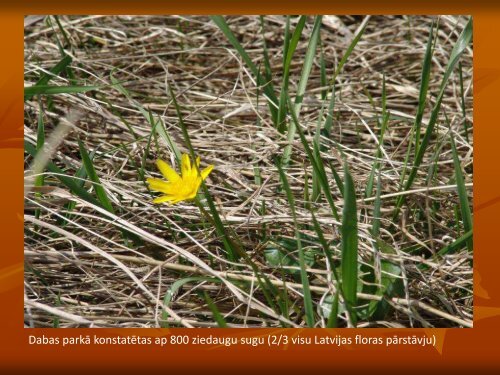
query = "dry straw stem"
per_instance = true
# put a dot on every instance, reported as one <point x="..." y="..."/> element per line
<point x="87" y="266"/>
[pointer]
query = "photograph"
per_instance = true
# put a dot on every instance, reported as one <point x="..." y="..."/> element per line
<point x="246" y="171"/>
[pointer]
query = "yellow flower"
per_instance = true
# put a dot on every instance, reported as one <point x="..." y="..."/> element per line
<point x="179" y="188"/>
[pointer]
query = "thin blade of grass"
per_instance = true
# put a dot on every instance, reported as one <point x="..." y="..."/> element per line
<point x="337" y="178"/>
<point x="376" y="208"/>
<point x="267" y="64"/>
<point x="390" y="283"/>
<point x="457" y="244"/>
<point x="301" y="88"/>
<point x="389" y="271"/>
<point x="383" y="127"/>
<point x="352" y="45"/>
<point x="322" y="70"/>
<point x="334" y="312"/>
<point x="286" y="39"/>
<point x="308" y="305"/>
<point x="317" y="136"/>
<point x="424" y="86"/>
<point x="101" y="194"/>
<point x="316" y="185"/>
<point x="462" y="193"/>
<point x="40" y="142"/>
<point x="327" y="127"/>
<point x="329" y="257"/>
<point x="62" y="49"/>
<point x="349" y="232"/>
<point x="54" y="90"/>
<point x="452" y="248"/>
<point x="462" y="102"/>
<point x="219" y="319"/>
<point x="53" y="72"/>
<point x="317" y="166"/>
<point x="290" y="50"/>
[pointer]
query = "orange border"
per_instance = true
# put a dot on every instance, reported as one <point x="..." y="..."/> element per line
<point x="466" y="349"/>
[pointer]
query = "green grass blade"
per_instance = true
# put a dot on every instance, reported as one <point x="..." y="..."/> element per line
<point x="308" y="305"/>
<point x="376" y="209"/>
<point x="334" y="312"/>
<point x="390" y="283"/>
<point x="325" y="246"/>
<point x="316" y="185"/>
<point x="424" y="86"/>
<point x="319" y="131"/>
<point x="460" y="46"/>
<point x="349" y="50"/>
<point x="329" y="257"/>
<point x="54" y="71"/>
<point x="40" y="142"/>
<point x="322" y="70"/>
<point x="267" y="63"/>
<point x="80" y="178"/>
<point x="462" y="193"/>
<point x="349" y="232"/>
<point x="457" y="244"/>
<point x="383" y="127"/>
<point x="219" y="319"/>
<point x="301" y="88"/>
<point x="327" y="127"/>
<point x="286" y="39"/>
<point x="290" y="50"/>
<point x="292" y="46"/>
<point x="384" y="97"/>
<point x="65" y="37"/>
<point x="317" y="166"/>
<point x="145" y="156"/>
<point x="376" y="163"/>
<point x="406" y="161"/>
<point x="462" y="102"/>
<point x="54" y="90"/>
<point x="100" y="192"/>
<point x="337" y="178"/>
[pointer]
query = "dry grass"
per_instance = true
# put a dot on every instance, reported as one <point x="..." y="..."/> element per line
<point x="84" y="273"/>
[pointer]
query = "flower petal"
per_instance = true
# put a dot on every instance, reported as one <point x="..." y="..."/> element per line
<point x="167" y="171"/>
<point x="165" y="198"/>
<point x="192" y="195"/>
<point x="206" y="171"/>
<point x="155" y="183"/>
<point x="185" y="165"/>
<point x="160" y="185"/>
